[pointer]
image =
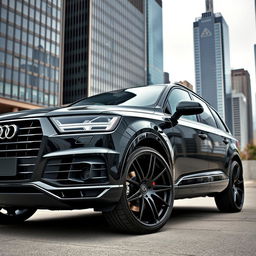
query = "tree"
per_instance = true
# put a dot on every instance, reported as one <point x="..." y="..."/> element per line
<point x="249" y="153"/>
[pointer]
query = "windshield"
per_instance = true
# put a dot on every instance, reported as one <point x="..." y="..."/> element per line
<point x="138" y="96"/>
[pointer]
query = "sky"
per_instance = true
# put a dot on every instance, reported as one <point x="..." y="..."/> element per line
<point x="178" y="18"/>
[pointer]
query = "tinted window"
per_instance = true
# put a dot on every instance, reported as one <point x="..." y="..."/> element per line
<point x="206" y="117"/>
<point x="139" y="96"/>
<point x="175" y="97"/>
<point x="218" y="120"/>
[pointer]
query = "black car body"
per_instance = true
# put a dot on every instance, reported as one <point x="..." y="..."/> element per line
<point x="94" y="154"/>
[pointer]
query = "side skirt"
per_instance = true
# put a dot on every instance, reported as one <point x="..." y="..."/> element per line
<point x="201" y="184"/>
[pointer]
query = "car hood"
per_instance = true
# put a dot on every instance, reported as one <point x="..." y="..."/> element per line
<point x="78" y="110"/>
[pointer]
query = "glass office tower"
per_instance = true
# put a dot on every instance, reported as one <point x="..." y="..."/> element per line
<point x="117" y="56"/>
<point x="30" y="51"/>
<point x="241" y="83"/>
<point x="212" y="62"/>
<point x="104" y="47"/>
<point x="76" y="50"/>
<point x="155" y="74"/>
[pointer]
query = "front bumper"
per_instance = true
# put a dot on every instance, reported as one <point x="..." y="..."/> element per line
<point x="72" y="171"/>
<point x="42" y="196"/>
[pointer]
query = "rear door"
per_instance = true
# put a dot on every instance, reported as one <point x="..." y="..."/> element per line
<point x="217" y="142"/>
<point x="218" y="160"/>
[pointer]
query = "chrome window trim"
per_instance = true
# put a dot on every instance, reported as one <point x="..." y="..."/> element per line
<point x="204" y="127"/>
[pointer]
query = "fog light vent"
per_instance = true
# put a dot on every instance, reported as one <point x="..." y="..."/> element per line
<point x="75" y="170"/>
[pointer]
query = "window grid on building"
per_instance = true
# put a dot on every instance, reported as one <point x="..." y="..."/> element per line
<point x="30" y="51"/>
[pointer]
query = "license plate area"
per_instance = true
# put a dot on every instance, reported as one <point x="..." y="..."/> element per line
<point x="8" y="167"/>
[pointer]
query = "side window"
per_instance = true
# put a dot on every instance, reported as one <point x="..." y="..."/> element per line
<point x="219" y="121"/>
<point x="175" y="97"/>
<point x="206" y="117"/>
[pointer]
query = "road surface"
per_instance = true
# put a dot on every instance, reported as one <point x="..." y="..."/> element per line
<point x="195" y="228"/>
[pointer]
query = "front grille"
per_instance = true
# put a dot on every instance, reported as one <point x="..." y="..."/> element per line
<point x="24" y="147"/>
<point x="76" y="170"/>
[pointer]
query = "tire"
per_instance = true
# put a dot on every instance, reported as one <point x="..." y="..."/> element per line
<point x="14" y="215"/>
<point x="232" y="198"/>
<point x="147" y="199"/>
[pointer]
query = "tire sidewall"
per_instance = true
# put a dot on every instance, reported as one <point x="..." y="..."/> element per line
<point x="230" y="185"/>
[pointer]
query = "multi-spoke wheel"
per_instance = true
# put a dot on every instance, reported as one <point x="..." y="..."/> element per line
<point x="147" y="199"/>
<point x="232" y="198"/>
<point x="14" y="215"/>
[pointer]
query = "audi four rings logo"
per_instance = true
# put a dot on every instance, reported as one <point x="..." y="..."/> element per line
<point x="8" y="131"/>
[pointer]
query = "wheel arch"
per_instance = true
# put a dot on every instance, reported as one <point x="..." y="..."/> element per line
<point x="236" y="157"/>
<point x="155" y="144"/>
<point x="152" y="139"/>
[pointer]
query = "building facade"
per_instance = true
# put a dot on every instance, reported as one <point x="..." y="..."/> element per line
<point x="166" y="78"/>
<point x="255" y="57"/>
<point x="104" y="46"/>
<point x="241" y="83"/>
<point x="155" y="74"/>
<point x="254" y="112"/>
<point x="240" y="119"/>
<point x="76" y="49"/>
<point x="187" y="84"/>
<point x="212" y="62"/>
<point x="30" y="53"/>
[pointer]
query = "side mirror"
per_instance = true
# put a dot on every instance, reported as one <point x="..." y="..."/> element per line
<point x="186" y="108"/>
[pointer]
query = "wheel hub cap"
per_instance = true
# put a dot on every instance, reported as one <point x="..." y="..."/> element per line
<point x="143" y="189"/>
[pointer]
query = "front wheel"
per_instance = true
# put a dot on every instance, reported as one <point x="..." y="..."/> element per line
<point x="147" y="199"/>
<point x="232" y="198"/>
<point x="14" y="215"/>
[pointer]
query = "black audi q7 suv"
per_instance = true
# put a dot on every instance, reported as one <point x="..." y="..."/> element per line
<point x="127" y="153"/>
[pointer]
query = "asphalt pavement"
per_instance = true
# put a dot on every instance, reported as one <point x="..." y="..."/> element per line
<point x="195" y="228"/>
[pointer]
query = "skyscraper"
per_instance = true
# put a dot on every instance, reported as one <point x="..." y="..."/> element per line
<point x="155" y="74"/>
<point x="255" y="60"/>
<point x="30" y="53"/>
<point x="166" y="78"/>
<point x="240" y="119"/>
<point x="104" y="46"/>
<point x="241" y="83"/>
<point x="212" y="61"/>
<point x="254" y="112"/>
<point x="209" y="5"/>
<point x="76" y="50"/>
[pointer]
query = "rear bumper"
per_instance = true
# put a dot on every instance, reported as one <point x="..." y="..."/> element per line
<point x="43" y="196"/>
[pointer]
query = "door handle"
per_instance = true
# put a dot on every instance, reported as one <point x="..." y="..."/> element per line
<point x="203" y="136"/>
<point x="225" y="140"/>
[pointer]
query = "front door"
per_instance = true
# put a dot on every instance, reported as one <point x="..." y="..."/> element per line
<point x="190" y="150"/>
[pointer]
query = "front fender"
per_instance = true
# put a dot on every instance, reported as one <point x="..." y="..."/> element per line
<point x="137" y="134"/>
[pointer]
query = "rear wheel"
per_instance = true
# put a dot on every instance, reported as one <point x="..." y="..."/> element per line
<point x="14" y="215"/>
<point x="232" y="198"/>
<point x="147" y="199"/>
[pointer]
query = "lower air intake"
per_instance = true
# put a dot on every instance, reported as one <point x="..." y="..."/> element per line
<point x="76" y="170"/>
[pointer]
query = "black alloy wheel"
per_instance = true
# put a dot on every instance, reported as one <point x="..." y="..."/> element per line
<point x="14" y="215"/>
<point x="238" y="187"/>
<point x="147" y="199"/>
<point x="232" y="198"/>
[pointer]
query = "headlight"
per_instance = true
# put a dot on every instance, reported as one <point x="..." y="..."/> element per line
<point x="86" y="123"/>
